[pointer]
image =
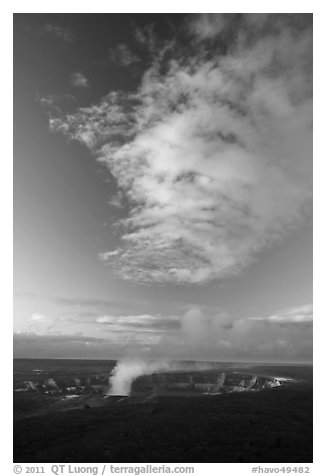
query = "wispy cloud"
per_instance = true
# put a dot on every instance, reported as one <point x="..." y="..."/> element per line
<point x="55" y="103"/>
<point x="60" y="32"/>
<point x="213" y="150"/>
<point x="117" y="200"/>
<point x="146" y="37"/>
<point x="81" y="301"/>
<point x="292" y="315"/>
<point x="207" y="25"/>
<point x="86" y="310"/>
<point x="79" y="80"/>
<point x="21" y="336"/>
<point x="122" y="55"/>
<point x="38" y="317"/>
<point x="144" y="323"/>
<point x="29" y="344"/>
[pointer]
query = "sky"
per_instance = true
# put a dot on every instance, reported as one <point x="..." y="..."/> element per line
<point x="163" y="186"/>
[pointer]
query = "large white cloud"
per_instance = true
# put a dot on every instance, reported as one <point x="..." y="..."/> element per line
<point x="214" y="154"/>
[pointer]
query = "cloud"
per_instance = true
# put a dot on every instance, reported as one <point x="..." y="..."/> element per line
<point x="144" y="323"/>
<point x="212" y="151"/>
<point x="199" y="333"/>
<point x="146" y="37"/>
<point x="117" y="201"/>
<point x="60" y="32"/>
<point x="122" y="55"/>
<point x="292" y="315"/>
<point x="29" y="344"/>
<point x="83" y="301"/>
<point x="216" y="336"/>
<point x="38" y="317"/>
<point x="55" y="103"/>
<point x="31" y="336"/>
<point x="207" y="25"/>
<point x="81" y="307"/>
<point x="79" y="80"/>
<point x="39" y="324"/>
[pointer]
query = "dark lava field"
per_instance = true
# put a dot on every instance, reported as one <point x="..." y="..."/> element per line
<point x="62" y="414"/>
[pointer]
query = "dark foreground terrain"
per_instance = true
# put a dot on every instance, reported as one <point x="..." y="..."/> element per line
<point x="265" y="425"/>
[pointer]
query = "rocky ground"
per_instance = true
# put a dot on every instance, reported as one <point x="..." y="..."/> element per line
<point x="271" y="425"/>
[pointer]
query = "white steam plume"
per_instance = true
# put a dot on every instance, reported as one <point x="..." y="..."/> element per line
<point x="126" y="371"/>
